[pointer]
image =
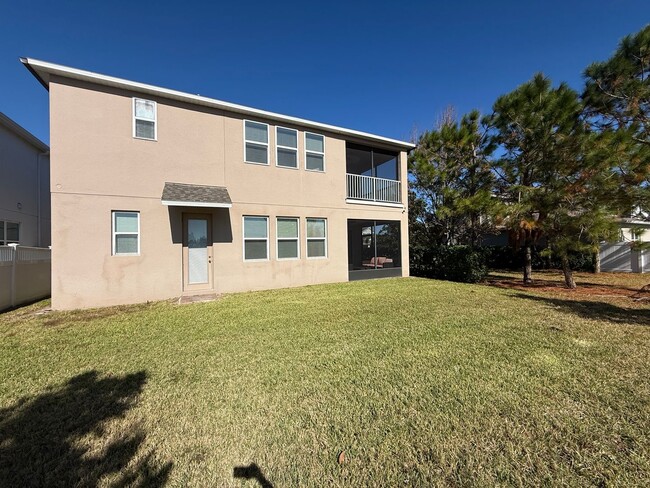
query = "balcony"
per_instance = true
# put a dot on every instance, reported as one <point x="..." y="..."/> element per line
<point x="373" y="176"/>
<point x="372" y="189"/>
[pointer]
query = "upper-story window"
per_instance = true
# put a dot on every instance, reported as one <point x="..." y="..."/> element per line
<point x="286" y="141"/>
<point x="314" y="152"/>
<point x="256" y="141"/>
<point x="9" y="232"/>
<point x="144" y="119"/>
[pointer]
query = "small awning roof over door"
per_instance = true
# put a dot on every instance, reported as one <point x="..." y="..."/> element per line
<point x="184" y="195"/>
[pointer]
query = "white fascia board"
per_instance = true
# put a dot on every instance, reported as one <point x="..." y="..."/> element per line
<point x="39" y="67"/>
<point x="173" y="203"/>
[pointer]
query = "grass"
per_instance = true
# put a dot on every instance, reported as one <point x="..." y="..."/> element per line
<point x="625" y="281"/>
<point x="421" y="383"/>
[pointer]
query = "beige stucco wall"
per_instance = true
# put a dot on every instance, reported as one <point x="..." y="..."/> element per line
<point x="23" y="197"/>
<point x="97" y="167"/>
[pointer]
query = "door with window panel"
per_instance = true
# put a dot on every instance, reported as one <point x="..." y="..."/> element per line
<point x="197" y="252"/>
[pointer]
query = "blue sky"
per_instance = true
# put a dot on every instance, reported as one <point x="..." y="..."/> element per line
<point x="381" y="67"/>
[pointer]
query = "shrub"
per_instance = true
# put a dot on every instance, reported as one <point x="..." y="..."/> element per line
<point x="453" y="263"/>
<point x="470" y="265"/>
<point x="503" y="257"/>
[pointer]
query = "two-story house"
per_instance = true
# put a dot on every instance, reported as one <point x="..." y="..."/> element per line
<point x="24" y="187"/>
<point x="158" y="193"/>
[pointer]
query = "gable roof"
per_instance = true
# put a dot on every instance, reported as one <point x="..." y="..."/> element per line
<point x="23" y="133"/>
<point x="42" y="70"/>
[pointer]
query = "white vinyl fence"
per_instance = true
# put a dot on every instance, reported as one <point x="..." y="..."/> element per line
<point x="25" y="274"/>
<point x="620" y="257"/>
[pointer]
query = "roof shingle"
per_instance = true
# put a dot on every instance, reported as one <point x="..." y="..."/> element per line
<point x="202" y="194"/>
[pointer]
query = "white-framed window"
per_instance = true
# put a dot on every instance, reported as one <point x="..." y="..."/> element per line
<point x="286" y="147"/>
<point x="256" y="238"/>
<point x="316" y="238"/>
<point x="287" y="238"/>
<point x="314" y="152"/>
<point x="256" y="142"/>
<point x="145" y="114"/>
<point x="126" y="233"/>
<point x="9" y="232"/>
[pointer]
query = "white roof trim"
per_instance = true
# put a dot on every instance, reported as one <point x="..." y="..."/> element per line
<point x="42" y="70"/>
<point x="635" y="222"/>
<point x="173" y="203"/>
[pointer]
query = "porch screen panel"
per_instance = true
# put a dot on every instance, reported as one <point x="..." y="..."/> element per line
<point x="374" y="245"/>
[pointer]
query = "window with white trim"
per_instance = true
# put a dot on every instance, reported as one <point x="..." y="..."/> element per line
<point x="256" y="238"/>
<point x="144" y="119"/>
<point x="314" y="152"/>
<point x="287" y="237"/>
<point x="256" y="142"/>
<point x="316" y="238"/>
<point x="126" y="233"/>
<point x="9" y="232"/>
<point x="286" y="147"/>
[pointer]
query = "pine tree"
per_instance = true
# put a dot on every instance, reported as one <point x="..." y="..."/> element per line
<point x="551" y="185"/>
<point x="452" y="181"/>
<point x="617" y="91"/>
<point x="617" y="105"/>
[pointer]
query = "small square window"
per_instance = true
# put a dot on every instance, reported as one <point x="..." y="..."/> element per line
<point x="9" y="232"/>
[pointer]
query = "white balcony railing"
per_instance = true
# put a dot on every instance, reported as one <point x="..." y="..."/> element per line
<point x="373" y="189"/>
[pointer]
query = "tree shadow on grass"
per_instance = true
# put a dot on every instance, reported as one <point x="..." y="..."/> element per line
<point x="595" y="310"/>
<point x="252" y="471"/>
<point x="67" y="436"/>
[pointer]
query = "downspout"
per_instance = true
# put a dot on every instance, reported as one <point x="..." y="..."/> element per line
<point x="39" y="212"/>
<point x="38" y="199"/>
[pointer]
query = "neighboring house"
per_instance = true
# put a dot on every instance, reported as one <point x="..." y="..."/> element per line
<point x="158" y="193"/>
<point x="24" y="187"/>
<point x="627" y="255"/>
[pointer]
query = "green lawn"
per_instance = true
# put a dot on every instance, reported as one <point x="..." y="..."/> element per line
<point x="420" y="382"/>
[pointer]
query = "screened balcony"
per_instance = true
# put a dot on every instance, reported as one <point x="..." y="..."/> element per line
<point x="372" y="175"/>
